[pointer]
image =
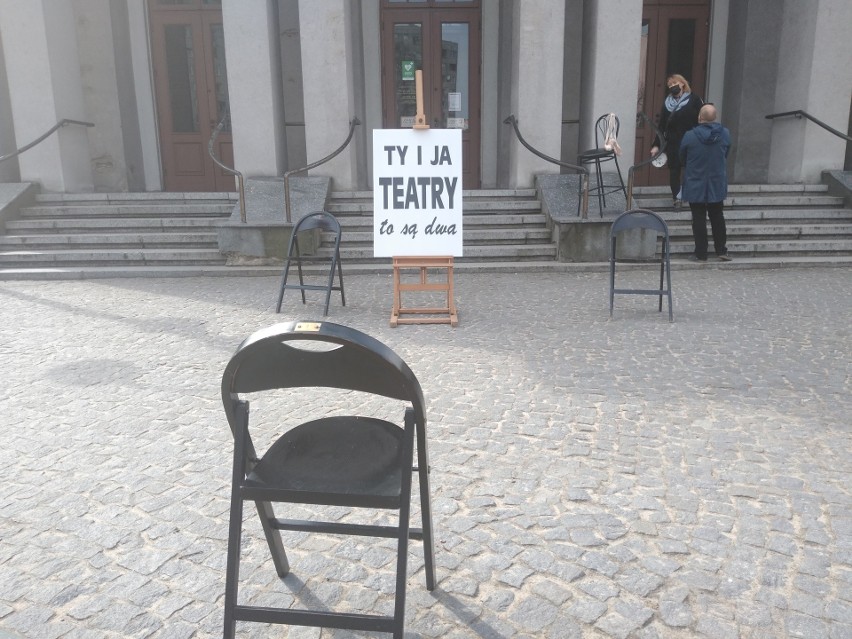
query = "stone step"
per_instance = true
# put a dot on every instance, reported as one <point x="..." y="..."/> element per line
<point x="111" y="240"/>
<point x="147" y="196"/>
<point x="122" y="225"/>
<point x="759" y="214"/>
<point x="768" y="230"/>
<point x="742" y="188"/>
<point x="383" y="266"/>
<point x="753" y="246"/>
<point x="751" y="200"/>
<point x="113" y="210"/>
<point x="32" y="258"/>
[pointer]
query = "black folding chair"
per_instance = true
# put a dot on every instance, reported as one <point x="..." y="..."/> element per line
<point x="341" y="460"/>
<point x="322" y="221"/>
<point x="601" y="154"/>
<point x="642" y="219"/>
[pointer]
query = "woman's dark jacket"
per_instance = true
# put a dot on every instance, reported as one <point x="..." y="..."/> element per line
<point x="674" y="124"/>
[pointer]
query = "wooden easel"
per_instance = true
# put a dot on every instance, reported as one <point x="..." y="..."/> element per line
<point x="423" y="263"/>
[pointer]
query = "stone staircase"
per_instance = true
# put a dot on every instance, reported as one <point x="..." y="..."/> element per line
<point x="500" y="227"/>
<point x="793" y="223"/>
<point x="113" y="235"/>
<point x="173" y="234"/>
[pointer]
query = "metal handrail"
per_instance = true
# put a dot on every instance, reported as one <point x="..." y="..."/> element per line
<point x="58" y="125"/>
<point x="583" y="193"/>
<point x="227" y="169"/>
<point x="352" y="124"/>
<point x="632" y="169"/>
<point x="799" y="114"/>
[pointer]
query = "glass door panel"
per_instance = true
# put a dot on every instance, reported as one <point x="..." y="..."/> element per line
<point x="408" y="58"/>
<point x="183" y="87"/>
<point x="455" y="76"/>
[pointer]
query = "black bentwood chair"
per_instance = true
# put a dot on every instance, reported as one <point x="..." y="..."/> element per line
<point x="344" y="460"/>
<point x="642" y="219"/>
<point x="321" y="221"/>
<point x="604" y="151"/>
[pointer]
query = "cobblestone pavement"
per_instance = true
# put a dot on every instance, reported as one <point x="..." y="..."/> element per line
<point x="592" y="477"/>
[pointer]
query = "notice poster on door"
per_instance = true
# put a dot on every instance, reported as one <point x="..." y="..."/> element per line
<point x="417" y="192"/>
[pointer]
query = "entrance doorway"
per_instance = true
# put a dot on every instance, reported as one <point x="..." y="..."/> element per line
<point x="191" y="87"/>
<point x="674" y="40"/>
<point x="444" y="43"/>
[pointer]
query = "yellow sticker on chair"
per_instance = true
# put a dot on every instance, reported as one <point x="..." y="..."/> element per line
<point x="308" y="327"/>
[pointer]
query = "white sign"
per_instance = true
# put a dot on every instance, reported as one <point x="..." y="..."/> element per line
<point x="417" y="192"/>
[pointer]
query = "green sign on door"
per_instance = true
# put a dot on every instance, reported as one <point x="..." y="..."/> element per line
<point x="408" y="69"/>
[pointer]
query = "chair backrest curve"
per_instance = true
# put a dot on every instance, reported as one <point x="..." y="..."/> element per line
<point x="639" y="219"/>
<point x="272" y="359"/>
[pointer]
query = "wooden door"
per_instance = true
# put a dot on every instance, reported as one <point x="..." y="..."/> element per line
<point x="191" y="87"/>
<point x="674" y="40"/>
<point x="444" y="43"/>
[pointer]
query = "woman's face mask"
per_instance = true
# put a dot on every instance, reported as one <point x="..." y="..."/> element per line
<point x="674" y="90"/>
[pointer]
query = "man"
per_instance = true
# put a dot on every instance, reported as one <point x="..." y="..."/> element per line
<point x="704" y="153"/>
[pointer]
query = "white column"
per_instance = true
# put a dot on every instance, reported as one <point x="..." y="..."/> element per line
<point x="43" y="71"/>
<point x="610" y="80"/>
<point x="140" y="56"/>
<point x="537" y="57"/>
<point x="254" y="86"/>
<point x="814" y="61"/>
<point x="327" y="75"/>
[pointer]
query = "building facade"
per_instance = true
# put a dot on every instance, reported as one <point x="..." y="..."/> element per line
<point x="157" y="77"/>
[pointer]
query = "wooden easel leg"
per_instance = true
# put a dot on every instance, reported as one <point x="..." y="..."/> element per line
<point x="423" y="264"/>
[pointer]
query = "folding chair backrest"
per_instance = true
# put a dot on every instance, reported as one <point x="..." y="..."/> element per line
<point x="318" y="220"/>
<point x="639" y="219"/>
<point x="272" y="359"/>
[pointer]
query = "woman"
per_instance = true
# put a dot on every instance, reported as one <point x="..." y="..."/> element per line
<point x="679" y="115"/>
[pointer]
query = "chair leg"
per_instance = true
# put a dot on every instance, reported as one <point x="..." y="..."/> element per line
<point x="273" y="538"/>
<point x="283" y="284"/>
<point x="301" y="277"/>
<point x="232" y="576"/>
<point x="612" y="277"/>
<point x="600" y="188"/>
<point x="426" y="509"/>
<point x="621" y="181"/>
<point x="329" y="287"/>
<point x="668" y="258"/>
<point x="235" y="524"/>
<point x="340" y="278"/>
<point x="404" y="524"/>
<point x="662" y="273"/>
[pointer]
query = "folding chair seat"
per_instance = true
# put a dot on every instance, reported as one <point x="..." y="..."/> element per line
<point x="642" y="219"/>
<point x="605" y="151"/>
<point x="351" y="460"/>
<point x="322" y="221"/>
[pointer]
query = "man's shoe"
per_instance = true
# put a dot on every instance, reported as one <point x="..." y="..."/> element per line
<point x="724" y="257"/>
<point x="695" y="258"/>
<point x="676" y="203"/>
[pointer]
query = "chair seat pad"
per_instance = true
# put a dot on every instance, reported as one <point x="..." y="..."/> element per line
<point x="596" y="154"/>
<point x="336" y="456"/>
